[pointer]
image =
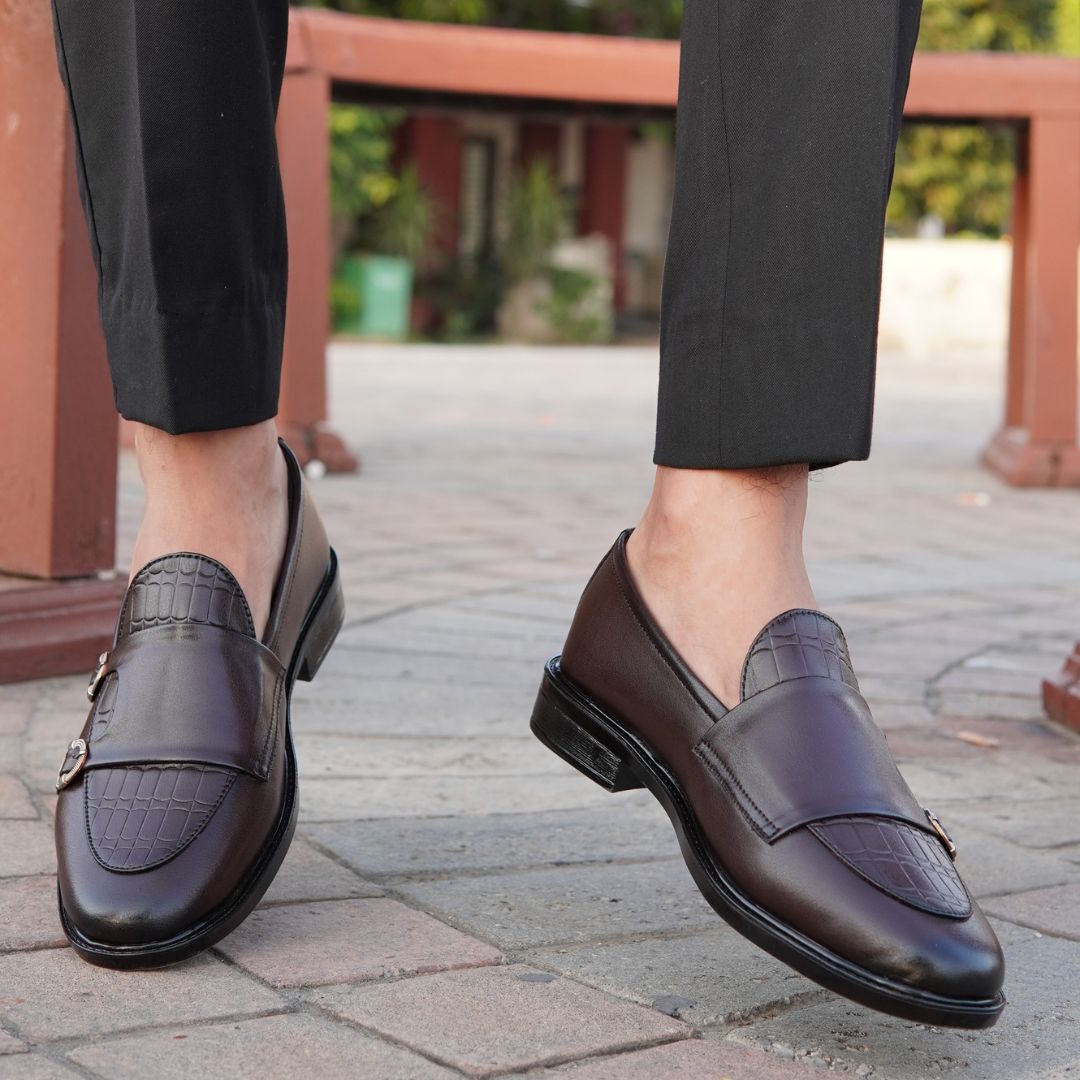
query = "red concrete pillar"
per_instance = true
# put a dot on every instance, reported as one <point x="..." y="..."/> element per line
<point x="1038" y="444"/>
<point x="304" y="153"/>
<point x="603" y="195"/>
<point x="58" y="435"/>
<point x="1014" y="375"/>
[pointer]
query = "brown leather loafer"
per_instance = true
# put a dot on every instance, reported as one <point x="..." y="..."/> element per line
<point x="178" y="801"/>
<point x="791" y="814"/>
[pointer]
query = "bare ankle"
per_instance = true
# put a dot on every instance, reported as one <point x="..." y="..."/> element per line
<point x="728" y="512"/>
<point x="223" y="494"/>
<point x="233" y="456"/>
<point x="717" y="554"/>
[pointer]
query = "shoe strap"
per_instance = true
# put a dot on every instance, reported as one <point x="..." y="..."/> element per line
<point x="807" y="750"/>
<point x="186" y="692"/>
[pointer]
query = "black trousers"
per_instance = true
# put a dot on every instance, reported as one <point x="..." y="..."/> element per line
<point x="787" y="124"/>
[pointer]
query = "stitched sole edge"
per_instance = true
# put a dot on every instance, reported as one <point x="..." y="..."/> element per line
<point x="574" y="726"/>
<point x="228" y="916"/>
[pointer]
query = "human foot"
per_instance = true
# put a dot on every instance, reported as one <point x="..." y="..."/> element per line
<point x="218" y="493"/>
<point x="178" y="799"/>
<point x="717" y="554"/>
<point x="791" y="815"/>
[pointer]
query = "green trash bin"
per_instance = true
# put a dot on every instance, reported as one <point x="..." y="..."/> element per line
<point x="384" y="283"/>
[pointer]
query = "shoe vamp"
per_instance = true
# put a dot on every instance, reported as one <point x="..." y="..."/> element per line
<point x="137" y="903"/>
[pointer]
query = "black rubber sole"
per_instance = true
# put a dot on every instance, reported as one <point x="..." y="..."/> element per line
<point x="321" y="628"/>
<point x="584" y="734"/>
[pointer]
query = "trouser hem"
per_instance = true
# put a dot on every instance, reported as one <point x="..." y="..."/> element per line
<point x="197" y="372"/>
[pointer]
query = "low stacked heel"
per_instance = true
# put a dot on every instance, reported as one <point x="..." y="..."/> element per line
<point x="563" y="721"/>
<point x="327" y="617"/>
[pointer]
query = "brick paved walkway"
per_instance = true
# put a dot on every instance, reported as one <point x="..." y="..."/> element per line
<point x="460" y="902"/>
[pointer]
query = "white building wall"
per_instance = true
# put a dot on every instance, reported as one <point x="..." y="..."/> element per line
<point x="648" y="213"/>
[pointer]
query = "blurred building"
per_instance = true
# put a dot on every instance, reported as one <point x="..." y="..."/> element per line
<point x="618" y="176"/>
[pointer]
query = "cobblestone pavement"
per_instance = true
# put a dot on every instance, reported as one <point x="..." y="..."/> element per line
<point x="458" y="901"/>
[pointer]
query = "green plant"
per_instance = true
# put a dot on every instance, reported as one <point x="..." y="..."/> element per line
<point x="568" y="311"/>
<point x="345" y="302"/>
<point x="1067" y="27"/>
<point x="464" y="297"/>
<point x="361" y="144"/>
<point x="536" y="214"/>
<point x="964" y="175"/>
<point x="402" y="226"/>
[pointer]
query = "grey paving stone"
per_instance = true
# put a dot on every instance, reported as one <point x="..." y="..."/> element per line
<point x="35" y="1067"/>
<point x="14" y="798"/>
<point x="1048" y="823"/>
<point x="343" y="667"/>
<point x="10" y="1045"/>
<point x="1010" y="933"/>
<point x="1028" y="738"/>
<point x="401" y="634"/>
<point x="1051" y="911"/>
<point x="272" y="1048"/>
<point x="10" y="748"/>
<point x="307" y="874"/>
<point x="28" y="913"/>
<point x="391" y="708"/>
<point x="48" y="735"/>
<point x="898" y="717"/>
<point x="503" y="615"/>
<point x="704" y="978"/>
<point x="903" y="659"/>
<point x="52" y="994"/>
<point x="990" y="865"/>
<point x="499" y="1019"/>
<point x="962" y="703"/>
<point x="980" y="679"/>
<point x="946" y="781"/>
<point x="626" y="828"/>
<point x="340" y="941"/>
<point x="15" y="711"/>
<point x="691" y="1059"/>
<point x="1037" y="1037"/>
<point x="26" y="847"/>
<point x="570" y="904"/>
<point x="892" y="689"/>
<point x="438" y="796"/>
<point x="407" y="757"/>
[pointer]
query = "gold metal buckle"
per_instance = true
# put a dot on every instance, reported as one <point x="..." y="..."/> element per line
<point x="78" y="747"/>
<point x="943" y="836"/>
<point x="99" y="676"/>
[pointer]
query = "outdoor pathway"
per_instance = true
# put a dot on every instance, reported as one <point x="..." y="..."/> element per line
<point x="458" y="901"/>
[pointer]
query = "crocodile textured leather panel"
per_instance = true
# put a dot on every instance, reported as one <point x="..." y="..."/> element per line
<point x="794" y="645"/>
<point x="140" y="816"/>
<point x="185" y="588"/>
<point x="137" y="817"/>
<point x="903" y="861"/>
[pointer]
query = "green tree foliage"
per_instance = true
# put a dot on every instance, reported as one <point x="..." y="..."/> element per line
<point x="964" y="175"/>
<point x="360" y="150"/>
<point x="1012" y="25"/>
<point x="536" y="216"/>
<point x="1067" y="27"/>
